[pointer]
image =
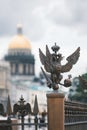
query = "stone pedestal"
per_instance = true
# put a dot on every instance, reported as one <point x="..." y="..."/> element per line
<point x="15" y="127"/>
<point x="55" y="102"/>
<point x="5" y="121"/>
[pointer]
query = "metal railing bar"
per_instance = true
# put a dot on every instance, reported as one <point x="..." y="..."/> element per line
<point x="75" y="123"/>
<point x="16" y="124"/>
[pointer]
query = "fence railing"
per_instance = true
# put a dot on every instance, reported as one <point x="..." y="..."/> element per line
<point x="37" y="126"/>
<point x="75" y="112"/>
<point x="75" y="119"/>
<point x="10" y="124"/>
<point x="75" y="116"/>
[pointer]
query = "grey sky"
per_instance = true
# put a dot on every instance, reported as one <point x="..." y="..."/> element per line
<point x="45" y="22"/>
<point x="36" y="15"/>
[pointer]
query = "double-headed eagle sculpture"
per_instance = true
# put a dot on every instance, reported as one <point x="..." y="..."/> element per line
<point x="83" y="82"/>
<point x="52" y="64"/>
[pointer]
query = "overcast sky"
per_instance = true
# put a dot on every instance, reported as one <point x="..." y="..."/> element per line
<point x="46" y="22"/>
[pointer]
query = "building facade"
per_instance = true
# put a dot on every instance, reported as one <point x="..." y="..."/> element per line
<point x="5" y="82"/>
<point x="22" y="72"/>
<point x="19" y="55"/>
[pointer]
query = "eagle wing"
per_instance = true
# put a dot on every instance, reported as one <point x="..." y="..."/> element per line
<point x="28" y="107"/>
<point x="83" y="82"/>
<point x="15" y="108"/>
<point x="72" y="59"/>
<point x="46" y="60"/>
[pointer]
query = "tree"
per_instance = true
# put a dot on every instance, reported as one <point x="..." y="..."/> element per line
<point x="76" y="92"/>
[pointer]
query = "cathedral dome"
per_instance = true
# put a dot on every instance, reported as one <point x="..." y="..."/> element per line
<point x="19" y="41"/>
<point x="20" y="56"/>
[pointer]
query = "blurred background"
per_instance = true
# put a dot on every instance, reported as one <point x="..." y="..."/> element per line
<point x="26" y="26"/>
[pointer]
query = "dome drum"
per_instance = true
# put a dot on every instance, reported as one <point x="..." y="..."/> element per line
<point x="19" y="52"/>
<point x="21" y="58"/>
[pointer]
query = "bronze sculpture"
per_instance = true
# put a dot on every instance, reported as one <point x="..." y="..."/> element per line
<point x="83" y="82"/>
<point x="22" y="108"/>
<point x="52" y="64"/>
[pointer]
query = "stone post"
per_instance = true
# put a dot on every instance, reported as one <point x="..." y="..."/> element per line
<point x="55" y="106"/>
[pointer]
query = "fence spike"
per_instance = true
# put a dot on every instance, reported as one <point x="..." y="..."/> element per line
<point x="36" y="108"/>
<point x="9" y="109"/>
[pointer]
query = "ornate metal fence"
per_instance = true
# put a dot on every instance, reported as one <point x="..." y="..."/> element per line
<point x="75" y="117"/>
<point x="35" y="124"/>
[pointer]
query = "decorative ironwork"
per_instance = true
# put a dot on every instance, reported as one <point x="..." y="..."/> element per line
<point x="9" y="109"/>
<point x="36" y="108"/>
<point x="52" y="64"/>
<point x="35" y="112"/>
<point x="22" y="109"/>
<point x="75" y="118"/>
<point x="83" y="82"/>
<point x="1" y="109"/>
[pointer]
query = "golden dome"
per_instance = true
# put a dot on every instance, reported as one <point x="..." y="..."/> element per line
<point x="19" y="42"/>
